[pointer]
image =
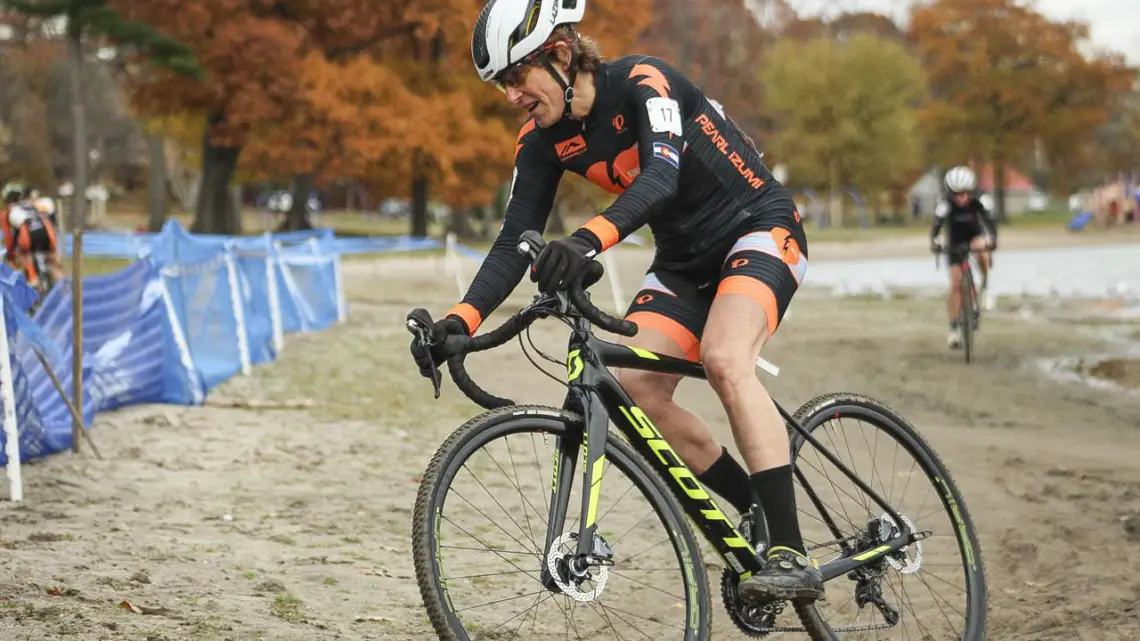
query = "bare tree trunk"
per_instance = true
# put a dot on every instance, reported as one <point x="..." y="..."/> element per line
<point x="297" y="218"/>
<point x="834" y="204"/>
<point x="79" y="123"/>
<point x="419" y="206"/>
<point x="999" y="189"/>
<point x="156" y="182"/>
<point x="215" y="211"/>
<point x="420" y="180"/>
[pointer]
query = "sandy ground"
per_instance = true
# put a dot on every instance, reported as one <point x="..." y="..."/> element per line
<point x="294" y="524"/>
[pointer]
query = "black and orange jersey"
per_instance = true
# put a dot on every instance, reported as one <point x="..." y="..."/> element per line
<point x="962" y="223"/>
<point x="673" y="158"/>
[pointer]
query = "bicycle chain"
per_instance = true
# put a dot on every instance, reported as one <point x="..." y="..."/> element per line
<point x="731" y="604"/>
<point x="853" y="628"/>
<point x="728" y="592"/>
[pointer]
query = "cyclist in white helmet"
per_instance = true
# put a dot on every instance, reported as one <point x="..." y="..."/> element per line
<point x="731" y="249"/>
<point x="967" y="222"/>
<point x="26" y="231"/>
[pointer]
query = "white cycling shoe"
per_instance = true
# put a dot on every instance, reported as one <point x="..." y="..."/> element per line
<point x="954" y="339"/>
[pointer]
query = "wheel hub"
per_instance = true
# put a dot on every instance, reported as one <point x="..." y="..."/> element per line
<point x="908" y="559"/>
<point x="569" y="571"/>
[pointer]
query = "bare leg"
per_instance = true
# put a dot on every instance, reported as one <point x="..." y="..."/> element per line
<point x="685" y="432"/>
<point x="736" y="330"/>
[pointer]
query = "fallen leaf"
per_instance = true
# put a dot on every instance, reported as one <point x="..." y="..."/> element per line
<point x="141" y="609"/>
<point x="373" y="620"/>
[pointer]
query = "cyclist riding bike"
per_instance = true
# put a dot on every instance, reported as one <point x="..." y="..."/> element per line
<point x="13" y="196"/>
<point x="968" y="223"/>
<point x="730" y="249"/>
<point x="27" y="231"/>
<point x="44" y="205"/>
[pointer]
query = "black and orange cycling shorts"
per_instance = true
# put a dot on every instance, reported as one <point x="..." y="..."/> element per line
<point x="42" y="239"/>
<point x="767" y="263"/>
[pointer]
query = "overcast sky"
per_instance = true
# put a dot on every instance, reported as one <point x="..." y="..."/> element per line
<point x="1114" y="23"/>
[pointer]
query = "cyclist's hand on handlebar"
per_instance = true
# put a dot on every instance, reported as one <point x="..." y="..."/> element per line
<point x="935" y="246"/>
<point x="449" y="336"/>
<point x="559" y="260"/>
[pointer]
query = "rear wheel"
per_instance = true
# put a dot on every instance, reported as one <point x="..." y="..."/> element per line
<point x="47" y="278"/>
<point x="933" y="589"/>
<point x="479" y="540"/>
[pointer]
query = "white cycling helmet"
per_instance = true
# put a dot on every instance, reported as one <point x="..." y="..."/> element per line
<point x="960" y="179"/>
<point x="509" y="30"/>
<point x="11" y="191"/>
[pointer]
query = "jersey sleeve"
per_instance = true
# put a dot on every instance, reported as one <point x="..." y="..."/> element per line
<point x="987" y="220"/>
<point x="533" y="187"/>
<point x="657" y="94"/>
<point x="940" y="211"/>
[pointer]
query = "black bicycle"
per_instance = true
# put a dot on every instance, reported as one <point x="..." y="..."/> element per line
<point x="612" y="569"/>
<point x="970" y="311"/>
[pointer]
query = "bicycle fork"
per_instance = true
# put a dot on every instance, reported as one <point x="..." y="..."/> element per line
<point x="590" y="550"/>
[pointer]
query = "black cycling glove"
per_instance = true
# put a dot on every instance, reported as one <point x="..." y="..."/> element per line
<point x="449" y="335"/>
<point x="559" y="260"/>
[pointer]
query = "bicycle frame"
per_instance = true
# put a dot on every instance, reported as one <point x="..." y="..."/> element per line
<point x="967" y="265"/>
<point x="599" y="396"/>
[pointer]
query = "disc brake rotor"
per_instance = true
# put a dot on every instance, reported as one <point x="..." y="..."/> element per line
<point x="906" y="564"/>
<point x="570" y="586"/>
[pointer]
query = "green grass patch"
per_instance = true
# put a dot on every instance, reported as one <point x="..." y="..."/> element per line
<point x="287" y="608"/>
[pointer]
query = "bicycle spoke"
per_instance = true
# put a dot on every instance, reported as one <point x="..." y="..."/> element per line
<point x="499" y="594"/>
<point x="945" y="601"/>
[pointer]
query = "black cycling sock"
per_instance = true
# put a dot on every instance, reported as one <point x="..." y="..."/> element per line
<point x="778" y="498"/>
<point x="729" y="479"/>
<point x="953" y="324"/>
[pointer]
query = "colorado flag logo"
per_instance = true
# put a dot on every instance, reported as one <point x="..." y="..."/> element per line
<point x="668" y="152"/>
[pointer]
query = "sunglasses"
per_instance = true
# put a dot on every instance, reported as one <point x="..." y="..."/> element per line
<point x="514" y="75"/>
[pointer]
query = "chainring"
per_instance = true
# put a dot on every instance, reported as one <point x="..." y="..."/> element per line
<point x="753" y="626"/>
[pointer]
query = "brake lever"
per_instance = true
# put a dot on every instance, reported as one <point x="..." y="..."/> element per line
<point x="423" y="334"/>
<point x="531" y="244"/>
<point x="546" y="305"/>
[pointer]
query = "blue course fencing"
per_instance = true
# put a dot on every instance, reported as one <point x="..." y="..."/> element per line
<point x="134" y="245"/>
<point x="187" y="314"/>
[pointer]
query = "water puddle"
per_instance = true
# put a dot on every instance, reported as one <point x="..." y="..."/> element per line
<point x="1093" y="291"/>
<point x="1116" y="321"/>
<point x="1105" y="372"/>
<point x="1107" y="271"/>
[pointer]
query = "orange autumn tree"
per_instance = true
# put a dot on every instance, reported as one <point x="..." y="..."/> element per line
<point x="347" y="116"/>
<point x="249" y="58"/>
<point x="368" y="111"/>
<point x="260" y="57"/>
<point x="1090" y="94"/>
<point x="382" y="92"/>
<point x="1003" y="74"/>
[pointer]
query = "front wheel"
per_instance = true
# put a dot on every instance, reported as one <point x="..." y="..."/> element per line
<point x="480" y="537"/>
<point x="933" y="589"/>
<point x="969" y="307"/>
